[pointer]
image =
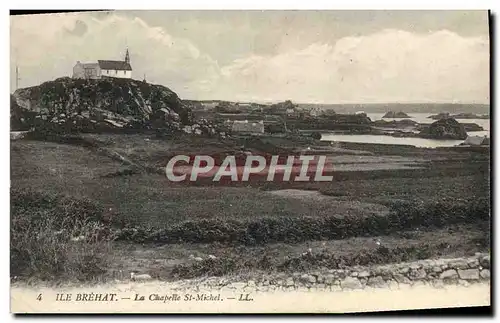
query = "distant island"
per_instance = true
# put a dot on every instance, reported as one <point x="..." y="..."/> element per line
<point x="396" y="115"/>
<point x="463" y="115"/>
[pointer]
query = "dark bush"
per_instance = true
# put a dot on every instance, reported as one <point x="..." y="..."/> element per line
<point x="403" y="217"/>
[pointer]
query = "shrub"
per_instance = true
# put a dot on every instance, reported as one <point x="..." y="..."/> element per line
<point x="403" y="217"/>
<point x="43" y="231"/>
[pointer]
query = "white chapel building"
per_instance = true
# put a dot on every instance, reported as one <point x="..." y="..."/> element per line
<point x="103" y="68"/>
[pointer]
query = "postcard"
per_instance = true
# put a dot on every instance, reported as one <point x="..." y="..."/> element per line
<point x="170" y="161"/>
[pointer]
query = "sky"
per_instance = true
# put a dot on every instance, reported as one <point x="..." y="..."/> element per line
<point x="270" y="56"/>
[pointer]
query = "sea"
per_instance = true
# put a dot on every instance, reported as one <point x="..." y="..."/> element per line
<point x="418" y="142"/>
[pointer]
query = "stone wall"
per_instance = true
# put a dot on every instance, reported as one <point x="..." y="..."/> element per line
<point x="436" y="273"/>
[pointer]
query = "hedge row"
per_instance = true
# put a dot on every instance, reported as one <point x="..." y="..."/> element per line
<point x="403" y="217"/>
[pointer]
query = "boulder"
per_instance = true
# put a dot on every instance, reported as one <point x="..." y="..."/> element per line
<point x="449" y="274"/>
<point x="485" y="262"/>
<point x="485" y="274"/>
<point x="448" y="128"/>
<point x="376" y="281"/>
<point x="351" y="283"/>
<point x="308" y="279"/>
<point x="364" y="274"/>
<point x="468" y="274"/>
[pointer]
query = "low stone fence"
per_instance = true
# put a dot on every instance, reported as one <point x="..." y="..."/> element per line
<point x="436" y="273"/>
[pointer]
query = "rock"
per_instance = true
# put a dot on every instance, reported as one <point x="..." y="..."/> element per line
<point x="308" y="279"/>
<point x="329" y="279"/>
<point x="485" y="274"/>
<point x="459" y="264"/>
<point x="376" y="281"/>
<point x="364" y="274"/>
<point x="473" y="262"/>
<point x="447" y="128"/>
<point x="439" y="262"/>
<point x="384" y="271"/>
<point x="400" y="114"/>
<point x="401" y="279"/>
<point x="67" y="103"/>
<point x="354" y="274"/>
<point x="140" y="277"/>
<point x="432" y="275"/>
<point x="350" y="283"/>
<point x="468" y="274"/>
<point x="437" y="269"/>
<point x="251" y="283"/>
<point x="449" y="274"/>
<point x="485" y="262"/>
<point x="289" y="282"/>
<point x="418" y="273"/>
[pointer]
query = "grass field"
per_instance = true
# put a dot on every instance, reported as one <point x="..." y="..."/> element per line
<point x="439" y="209"/>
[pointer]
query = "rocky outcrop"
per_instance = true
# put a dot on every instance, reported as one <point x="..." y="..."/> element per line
<point x="94" y="105"/>
<point x="354" y="123"/>
<point x="465" y="115"/>
<point x="396" y="115"/>
<point x="472" y="127"/>
<point x="448" y="128"/>
<point x="405" y="123"/>
<point x="470" y="116"/>
<point x="441" y="115"/>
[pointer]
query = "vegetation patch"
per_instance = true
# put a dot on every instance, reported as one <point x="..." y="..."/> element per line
<point x="308" y="261"/>
<point x="55" y="237"/>
<point x="403" y="216"/>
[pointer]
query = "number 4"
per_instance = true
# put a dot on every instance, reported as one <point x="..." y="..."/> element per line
<point x="39" y="297"/>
